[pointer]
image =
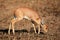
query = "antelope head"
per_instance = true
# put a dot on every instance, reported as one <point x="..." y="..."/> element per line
<point x="44" y="26"/>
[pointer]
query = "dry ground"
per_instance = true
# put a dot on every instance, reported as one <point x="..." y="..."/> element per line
<point x="49" y="10"/>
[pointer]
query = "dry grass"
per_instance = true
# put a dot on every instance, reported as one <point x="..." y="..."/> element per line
<point x="48" y="9"/>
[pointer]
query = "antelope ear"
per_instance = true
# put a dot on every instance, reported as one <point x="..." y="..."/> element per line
<point x="42" y="22"/>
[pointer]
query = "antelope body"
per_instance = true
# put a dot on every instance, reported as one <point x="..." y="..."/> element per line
<point x="27" y="13"/>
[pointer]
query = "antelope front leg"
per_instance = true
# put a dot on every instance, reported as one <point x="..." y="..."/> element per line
<point x="34" y="28"/>
<point x="38" y="29"/>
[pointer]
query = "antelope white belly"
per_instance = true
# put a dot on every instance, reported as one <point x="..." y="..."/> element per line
<point x="26" y="17"/>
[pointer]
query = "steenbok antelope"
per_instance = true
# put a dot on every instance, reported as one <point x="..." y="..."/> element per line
<point x="29" y="14"/>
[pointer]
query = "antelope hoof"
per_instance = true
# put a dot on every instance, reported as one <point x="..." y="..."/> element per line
<point x="38" y="32"/>
<point x="8" y="32"/>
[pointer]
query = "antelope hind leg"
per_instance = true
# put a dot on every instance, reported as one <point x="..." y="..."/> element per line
<point x="13" y="22"/>
<point x="9" y="29"/>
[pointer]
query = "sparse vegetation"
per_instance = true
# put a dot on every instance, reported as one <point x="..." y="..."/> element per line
<point x="48" y="9"/>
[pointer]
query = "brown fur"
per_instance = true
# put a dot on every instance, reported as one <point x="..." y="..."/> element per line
<point x="20" y="13"/>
